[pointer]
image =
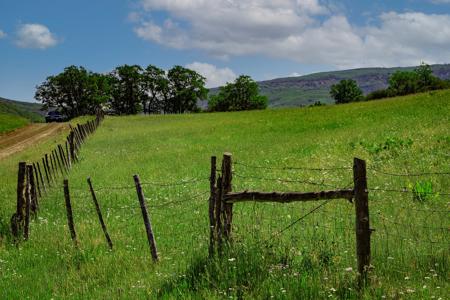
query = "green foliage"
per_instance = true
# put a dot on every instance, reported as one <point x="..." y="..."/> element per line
<point x="127" y="92"/>
<point x="242" y="94"/>
<point x="186" y="87"/>
<point x="422" y="190"/>
<point x="378" y="94"/>
<point x="390" y="147"/>
<point x="346" y="91"/>
<point x="10" y="122"/>
<point x="74" y="92"/>
<point x="403" y="83"/>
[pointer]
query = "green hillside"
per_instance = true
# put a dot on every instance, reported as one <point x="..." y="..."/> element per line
<point x="15" y="114"/>
<point x="278" y="251"/>
<point x="306" y="90"/>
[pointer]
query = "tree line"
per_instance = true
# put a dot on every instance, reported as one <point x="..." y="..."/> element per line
<point x="130" y="89"/>
<point x="401" y="83"/>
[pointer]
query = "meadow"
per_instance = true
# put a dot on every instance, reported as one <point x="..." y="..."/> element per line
<point x="270" y="256"/>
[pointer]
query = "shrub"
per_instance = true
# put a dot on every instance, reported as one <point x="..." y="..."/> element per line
<point x="422" y="190"/>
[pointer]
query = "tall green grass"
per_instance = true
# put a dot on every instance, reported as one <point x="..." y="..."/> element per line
<point x="313" y="259"/>
<point x="11" y="122"/>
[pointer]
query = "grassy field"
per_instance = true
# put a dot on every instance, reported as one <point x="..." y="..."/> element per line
<point x="15" y="114"/>
<point x="10" y="122"/>
<point x="313" y="259"/>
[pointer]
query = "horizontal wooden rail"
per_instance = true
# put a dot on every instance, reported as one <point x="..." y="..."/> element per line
<point x="287" y="197"/>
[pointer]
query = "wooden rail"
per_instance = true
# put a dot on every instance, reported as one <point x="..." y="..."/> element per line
<point x="287" y="197"/>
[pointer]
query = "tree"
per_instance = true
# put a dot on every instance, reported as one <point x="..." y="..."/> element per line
<point x="155" y="84"/>
<point x="242" y="94"/>
<point x="184" y="88"/>
<point x="127" y="92"/>
<point x="403" y="83"/>
<point x="74" y="92"/>
<point x="345" y="91"/>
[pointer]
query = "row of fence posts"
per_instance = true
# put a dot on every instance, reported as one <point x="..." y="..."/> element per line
<point x="222" y="199"/>
<point x="142" y="204"/>
<point x="34" y="179"/>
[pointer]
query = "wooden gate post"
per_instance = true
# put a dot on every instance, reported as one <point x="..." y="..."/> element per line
<point x="226" y="188"/>
<point x="212" y="202"/>
<point x="362" y="225"/>
<point x="148" y="225"/>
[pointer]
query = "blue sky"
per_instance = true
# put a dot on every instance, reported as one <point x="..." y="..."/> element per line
<point x="220" y="39"/>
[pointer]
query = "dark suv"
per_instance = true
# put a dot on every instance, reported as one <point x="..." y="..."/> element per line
<point x="54" y="116"/>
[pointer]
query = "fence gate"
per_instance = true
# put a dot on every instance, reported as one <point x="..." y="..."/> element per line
<point x="222" y="199"/>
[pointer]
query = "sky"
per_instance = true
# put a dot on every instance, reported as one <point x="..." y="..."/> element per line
<point x="219" y="39"/>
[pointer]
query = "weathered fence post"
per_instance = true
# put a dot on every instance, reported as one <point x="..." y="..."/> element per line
<point x="148" y="225"/>
<point x="362" y="227"/>
<point x="219" y="210"/>
<point x="73" y="234"/>
<point x="26" y="227"/>
<point x="41" y="177"/>
<point x="99" y="213"/>
<point x="212" y="202"/>
<point x="36" y="179"/>
<point x="18" y="217"/>
<point x="69" y="158"/>
<point x="54" y="174"/>
<point x="226" y="188"/>
<point x="47" y="170"/>
<point x="34" y="205"/>
<point x="60" y="166"/>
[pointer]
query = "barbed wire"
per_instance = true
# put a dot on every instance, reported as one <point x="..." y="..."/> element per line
<point x="292" y="168"/>
<point x="408" y="191"/>
<point x="409" y="174"/>
<point x="284" y="180"/>
<point x="410" y="225"/>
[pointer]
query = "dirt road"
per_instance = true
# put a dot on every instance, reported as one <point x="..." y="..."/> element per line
<point x="23" y="138"/>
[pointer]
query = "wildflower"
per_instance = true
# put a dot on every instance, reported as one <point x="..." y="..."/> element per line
<point x="390" y="257"/>
<point x="349" y="269"/>
<point x="406" y="278"/>
<point x="410" y="291"/>
<point x="424" y="287"/>
<point x="333" y="290"/>
<point x="232" y="259"/>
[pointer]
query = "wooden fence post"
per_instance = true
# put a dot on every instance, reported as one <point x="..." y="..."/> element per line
<point x="18" y="217"/>
<point x="362" y="227"/>
<point x="73" y="234"/>
<point x="219" y="210"/>
<point x="148" y="225"/>
<point x="226" y="188"/>
<point x="47" y="170"/>
<point x="99" y="213"/>
<point x="36" y="178"/>
<point x="63" y="159"/>
<point x="34" y="205"/>
<point x="69" y="158"/>
<point x="52" y="165"/>
<point x="60" y="166"/>
<point x="41" y="177"/>
<point x="26" y="227"/>
<point x="212" y="202"/>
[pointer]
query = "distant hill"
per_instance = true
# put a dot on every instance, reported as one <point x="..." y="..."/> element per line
<point x="27" y="110"/>
<point x="305" y="90"/>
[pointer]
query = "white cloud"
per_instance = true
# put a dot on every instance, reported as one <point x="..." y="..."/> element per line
<point x="35" y="36"/>
<point x="214" y="76"/>
<point x="440" y="1"/>
<point x="294" y="30"/>
<point x="2" y="34"/>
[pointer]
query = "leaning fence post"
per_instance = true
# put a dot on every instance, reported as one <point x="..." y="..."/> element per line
<point x="362" y="227"/>
<point x="212" y="200"/>
<point x="73" y="234"/>
<point x="99" y="213"/>
<point x="36" y="179"/>
<point x="226" y="183"/>
<point x="148" y="225"/>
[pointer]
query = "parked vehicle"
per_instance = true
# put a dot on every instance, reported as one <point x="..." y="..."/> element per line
<point x="54" y="116"/>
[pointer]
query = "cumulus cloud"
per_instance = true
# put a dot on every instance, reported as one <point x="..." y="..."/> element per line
<point x="306" y="31"/>
<point x="2" y="34"/>
<point x="214" y="76"/>
<point x="35" y="36"/>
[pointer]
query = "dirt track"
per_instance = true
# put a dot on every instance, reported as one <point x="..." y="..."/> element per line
<point x="22" y="138"/>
